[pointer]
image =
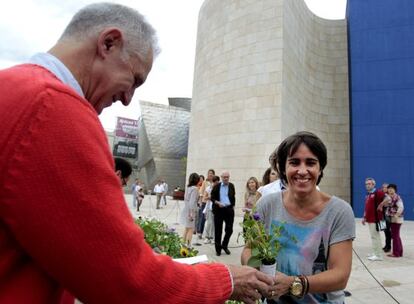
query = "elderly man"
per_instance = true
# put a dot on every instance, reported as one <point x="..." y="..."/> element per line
<point x="223" y="196"/>
<point x="55" y="232"/>
<point x="372" y="216"/>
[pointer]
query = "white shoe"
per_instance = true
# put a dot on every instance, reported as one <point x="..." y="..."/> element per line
<point x="370" y="255"/>
<point x="375" y="258"/>
<point x="207" y="241"/>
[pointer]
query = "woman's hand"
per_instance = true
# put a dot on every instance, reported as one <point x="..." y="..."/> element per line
<point x="282" y="284"/>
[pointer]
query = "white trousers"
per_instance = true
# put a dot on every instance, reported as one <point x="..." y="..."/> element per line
<point x="375" y="239"/>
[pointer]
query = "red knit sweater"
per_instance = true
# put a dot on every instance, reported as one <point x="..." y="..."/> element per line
<point x="63" y="219"/>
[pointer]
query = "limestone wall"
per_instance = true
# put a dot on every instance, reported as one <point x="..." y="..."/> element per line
<point x="263" y="70"/>
<point x="315" y="88"/>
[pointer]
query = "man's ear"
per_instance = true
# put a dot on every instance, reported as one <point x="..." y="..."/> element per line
<point x="118" y="173"/>
<point x="109" y="40"/>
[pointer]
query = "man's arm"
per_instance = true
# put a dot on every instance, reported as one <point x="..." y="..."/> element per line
<point x="55" y="215"/>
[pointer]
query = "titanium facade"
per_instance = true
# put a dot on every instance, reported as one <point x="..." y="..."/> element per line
<point x="381" y="51"/>
<point x="163" y="142"/>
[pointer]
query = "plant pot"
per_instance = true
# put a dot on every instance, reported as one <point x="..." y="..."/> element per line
<point x="269" y="269"/>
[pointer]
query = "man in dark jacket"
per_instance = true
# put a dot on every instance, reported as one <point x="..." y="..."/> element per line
<point x="223" y="197"/>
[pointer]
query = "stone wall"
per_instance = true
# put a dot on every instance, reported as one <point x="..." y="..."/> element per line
<point x="265" y="69"/>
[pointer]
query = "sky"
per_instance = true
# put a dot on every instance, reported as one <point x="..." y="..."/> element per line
<point x="37" y="27"/>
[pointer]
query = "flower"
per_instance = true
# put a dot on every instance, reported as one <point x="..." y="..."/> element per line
<point x="265" y="246"/>
<point x="256" y="216"/>
<point x="184" y="252"/>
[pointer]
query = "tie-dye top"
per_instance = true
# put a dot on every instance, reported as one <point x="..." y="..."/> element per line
<point x="305" y="244"/>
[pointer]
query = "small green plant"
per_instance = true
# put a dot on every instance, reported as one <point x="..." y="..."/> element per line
<point x="164" y="240"/>
<point x="265" y="247"/>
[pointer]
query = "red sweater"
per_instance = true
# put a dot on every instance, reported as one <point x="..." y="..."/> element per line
<point x="372" y="200"/>
<point x="63" y="219"/>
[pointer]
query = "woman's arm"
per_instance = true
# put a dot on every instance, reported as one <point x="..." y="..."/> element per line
<point x="245" y="255"/>
<point x="335" y="278"/>
<point x="400" y="207"/>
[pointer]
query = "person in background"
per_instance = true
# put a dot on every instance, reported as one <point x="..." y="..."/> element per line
<point x="56" y="233"/>
<point x="387" y="231"/>
<point x="223" y="197"/>
<point x="268" y="177"/>
<point x="395" y="212"/>
<point x="372" y="216"/>
<point x="197" y="218"/>
<point x="315" y="260"/>
<point x="134" y="191"/>
<point x="159" y="190"/>
<point x="123" y="170"/>
<point x="164" y="194"/>
<point x="203" y="202"/>
<point x="273" y="183"/>
<point x="251" y="195"/>
<point x="208" y="211"/>
<point x="140" y="196"/>
<point x="190" y="208"/>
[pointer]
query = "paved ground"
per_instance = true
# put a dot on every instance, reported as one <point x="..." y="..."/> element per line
<point x="367" y="280"/>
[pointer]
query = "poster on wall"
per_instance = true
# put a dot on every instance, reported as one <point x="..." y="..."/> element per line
<point x="126" y="138"/>
<point x="126" y="128"/>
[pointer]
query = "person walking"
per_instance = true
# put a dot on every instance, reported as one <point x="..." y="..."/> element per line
<point x="223" y="197"/>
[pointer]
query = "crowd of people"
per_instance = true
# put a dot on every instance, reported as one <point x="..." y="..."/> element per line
<point x="62" y="241"/>
<point x="384" y="211"/>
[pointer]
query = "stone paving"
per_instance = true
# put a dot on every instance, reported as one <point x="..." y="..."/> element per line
<point x="395" y="274"/>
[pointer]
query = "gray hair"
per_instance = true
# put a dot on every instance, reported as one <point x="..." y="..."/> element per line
<point x="370" y="179"/>
<point x="92" y="19"/>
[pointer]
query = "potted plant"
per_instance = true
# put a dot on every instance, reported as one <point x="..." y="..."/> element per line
<point x="264" y="246"/>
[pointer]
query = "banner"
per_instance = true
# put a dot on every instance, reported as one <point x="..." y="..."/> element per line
<point x="126" y="128"/>
<point x="126" y="138"/>
<point x="125" y="149"/>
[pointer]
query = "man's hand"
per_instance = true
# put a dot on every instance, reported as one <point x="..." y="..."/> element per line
<point x="363" y="221"/>
<point x="250" y="284"/>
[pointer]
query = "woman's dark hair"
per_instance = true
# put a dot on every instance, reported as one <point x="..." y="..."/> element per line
<point x="193" y="179"/>
<point x="394" y="186"/>
<point x="266" y="176"/>
<point x="290" y="145"/>
<point x="216" y="178"/>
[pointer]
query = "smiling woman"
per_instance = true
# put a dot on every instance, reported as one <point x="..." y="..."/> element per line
<point x="317" y="266"/>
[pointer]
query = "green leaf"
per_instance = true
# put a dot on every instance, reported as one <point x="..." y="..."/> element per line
<point x="254" y="261"/>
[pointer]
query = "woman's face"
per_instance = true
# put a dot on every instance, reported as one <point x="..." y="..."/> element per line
<point x="302" y="171"/>
<point x="391" y="191"/>
<point x="272" y="176"/>
<point x="252" y="185"/>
